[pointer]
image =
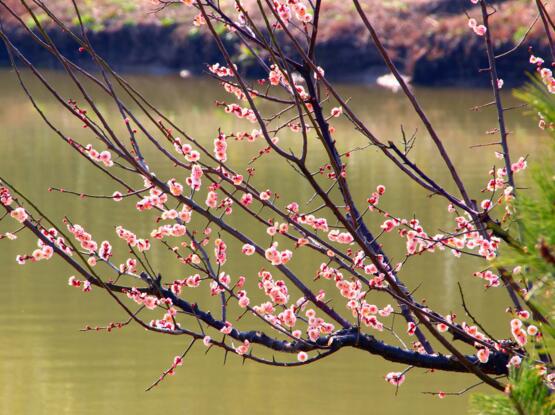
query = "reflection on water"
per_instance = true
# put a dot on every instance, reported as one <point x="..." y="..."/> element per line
<point x="48" y="367"/>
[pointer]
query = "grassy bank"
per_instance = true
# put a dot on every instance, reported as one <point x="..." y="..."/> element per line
<point x="429" y="39"/>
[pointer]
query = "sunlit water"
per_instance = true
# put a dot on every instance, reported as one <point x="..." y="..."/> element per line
<point x="47" y="366"/>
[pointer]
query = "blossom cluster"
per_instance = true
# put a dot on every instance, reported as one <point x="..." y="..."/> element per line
<point x="104" y="157"/>
<point x="546" y="74"/>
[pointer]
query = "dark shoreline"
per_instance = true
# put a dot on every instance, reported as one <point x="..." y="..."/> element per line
<point x="159" y="49"/>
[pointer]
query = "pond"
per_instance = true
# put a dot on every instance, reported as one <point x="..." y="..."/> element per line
<point x="47" y="366"/>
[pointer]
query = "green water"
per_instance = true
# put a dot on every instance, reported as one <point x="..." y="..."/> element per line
<point x="47" y="366"/>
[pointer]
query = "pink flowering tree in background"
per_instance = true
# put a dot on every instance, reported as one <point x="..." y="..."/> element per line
<point x="295" y="325"/>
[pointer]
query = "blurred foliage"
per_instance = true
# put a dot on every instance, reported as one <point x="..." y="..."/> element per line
<point x="539" y="99"/>
<point x="536" y="212"/>
<point x="167" y="21"/>
<point x="90" y="22"/>
<point x="396" y="5"/>
<point x="519" y="34"/>
<point x="528" y="394"/>
<point x="41" y="17"/>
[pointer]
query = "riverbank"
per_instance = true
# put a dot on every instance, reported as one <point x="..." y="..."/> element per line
<point x="428" y="39"/>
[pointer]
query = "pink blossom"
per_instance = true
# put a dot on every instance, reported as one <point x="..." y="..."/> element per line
<point x="117" y="196"/>
<point x="105" y="251"/>
<point x="278" y="257"/>
<point x="19" y="214"/>
<point x="520" y="165"/>
<point x="73" y="282"/>
<point x="395" y="378"/>
<point x="486" y="204"/>
<point x="212" y="199"/>
<point x="248" y="249"/>
<point x="386" y="311"/>
<point x="220" y="250"/>
<point x="194" y="180"/>
<point x="226" y="329"/>
<point x="518" y="332"/>
<point x="536" y="60"/>
<point x="5" y="196"/>
<point x="150" y="302"/>
<point x="243" y="348"/>
<point x="193" y="281"/>
<point x="480" y="30"/>
<point x="193" y="156"/>
<point x="244" y="301"/>
<point x="336" y="112"/>
<point x="221" y="71"/>
<point x="340" y="237"/>
<point x="177" y="361"/>
<point x="319" y="73"/>
<point x="246" y="199"/>
<point x="442" y="327"/>
<point x="515" y="361"/>
<point x="143" y="245"/>
<point x="220" y="148"/>
<point x="524" y="314"/>
<point x="301" y="13"/>
<point x="207" y="341"/>
<point x="126" y="235"/>
<point x="10" y="236"/>
<point x="266" y="195"/>
<point x="275" y="76"/>
<point x="106" y="158"/>
<point x="483" y="355"/>
<point x="176" y="188"/>
<point x="199" y="20"/>
<point x="237" y="180"/>
<point x="302" y="356"/>
<point x="389" y="225"/>
<point x="532" y="330"/>
<point x="288" y="317"/>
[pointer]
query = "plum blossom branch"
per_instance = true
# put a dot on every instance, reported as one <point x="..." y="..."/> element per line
<point x="209" y="189"/>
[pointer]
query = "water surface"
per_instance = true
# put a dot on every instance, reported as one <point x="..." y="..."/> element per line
<point x="47" y="366"/>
